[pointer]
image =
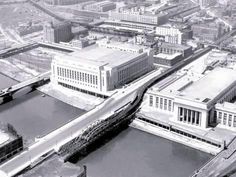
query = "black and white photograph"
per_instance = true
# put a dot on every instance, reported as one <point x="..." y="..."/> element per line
<point x="117" y="88"/>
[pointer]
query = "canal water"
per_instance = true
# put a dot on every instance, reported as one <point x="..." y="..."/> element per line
<point x="33" y="115"/>
<point x="134" y="153"/>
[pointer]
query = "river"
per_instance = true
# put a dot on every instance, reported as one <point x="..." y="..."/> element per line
<point x="134" y="153"/>
<point x="33" y="115"/>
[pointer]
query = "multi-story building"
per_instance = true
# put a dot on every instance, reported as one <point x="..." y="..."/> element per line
<point x="98" y="69"/>
<point x="206" y="3"/>
<point x="102" y="6"/>
<point x="139" y="16"/>
<point x="189" y="101"/>
<point x="207" y="32"/>
<point x="226" y="115"/>
<point x="57" y="32"/>
<point x="167" y="60"/>
<point x="10" y="143"/>
<point x="174" y="34"/>
<point x="168" y="48"/>
<point x="170" y="34"/>
<point x="62" y="2"/>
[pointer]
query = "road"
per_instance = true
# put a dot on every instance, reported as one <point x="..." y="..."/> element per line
<point x="61" y="136"/>
<point x="66" y="133"/>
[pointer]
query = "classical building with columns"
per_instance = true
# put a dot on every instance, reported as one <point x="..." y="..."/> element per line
<point x="192" y="101"/>
<point x="226" y="115"/>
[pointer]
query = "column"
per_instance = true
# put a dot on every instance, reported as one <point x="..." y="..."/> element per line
<point x="196" y="117"/>
<point x="191" y="116"/>
<point x="187" y="110"/>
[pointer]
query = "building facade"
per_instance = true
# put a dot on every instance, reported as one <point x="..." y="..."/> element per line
<point x="207" y="32"/>
<point x="97" y="70"/>
<point x="62" y="2"/>
<point x="167" y="60"/>
<point x="102" y="6"/>
<point x="168" y="48"/>
<point x="171" y="34"/>
<point x="57" y="32"/>
<point x="190" y="102"/>
<point x="226" y="115"/>
<point x="138" y="16"/>
<point x="11" y="143"/>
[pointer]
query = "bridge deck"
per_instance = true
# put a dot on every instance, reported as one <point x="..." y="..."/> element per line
<point x="217" y="165"/>
<point x="26" y="83"/>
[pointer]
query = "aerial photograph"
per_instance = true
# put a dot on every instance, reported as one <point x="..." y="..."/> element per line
<point x="117" y="88"/>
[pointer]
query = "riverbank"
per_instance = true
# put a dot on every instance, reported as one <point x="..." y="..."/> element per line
<point x="210" y="140"/>
<point x="155" y="130"/>
<point x="71" y="97"/>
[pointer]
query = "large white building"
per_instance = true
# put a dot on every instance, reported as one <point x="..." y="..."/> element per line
<point x="226" y="115"/>
<point x="192" y="102"/>
<point x="99" y="69"/>
<point x="170" y="34"/>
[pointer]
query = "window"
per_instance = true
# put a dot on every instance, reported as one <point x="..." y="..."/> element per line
<point x="157" y="102"/>
<point x="234" y="121"/>
<point x="219" y="117"/>
<point x="150" y="100"/>
<point x="169" y="106"/>
<point x="165" y="104"/>
<point x="224" y="119"/>
<point x="161" y="103"/>
<point x="230" y="120"/>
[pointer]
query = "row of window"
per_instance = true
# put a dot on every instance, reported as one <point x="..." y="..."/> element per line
<point x="76" y="75"/>
<point x="189" y="116"/>
<point x="226" y="119"/>
<point x="132" y="70"/>
<point x="161" y="103"/>
<point x="169" y="51"/>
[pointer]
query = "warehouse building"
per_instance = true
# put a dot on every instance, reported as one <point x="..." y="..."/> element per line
<point x="10" y="142"/>
<point x="102" y="6"/>
<point x="139" y="16"/>
<point x="168" y="48"/>
<point x="58" y="32"/>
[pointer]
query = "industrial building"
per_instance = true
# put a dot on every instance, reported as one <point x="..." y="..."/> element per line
<point x="138" y="15"/>
<point x="100" y="68"/>
<point x="102" y="6"/>
<point x="169" y="48"/>
<point x="10" y="142"/>
<point x="170" y="34"/>
<point x="63" y="2"/>
<point x="207" y="32"/>
<point x="57" y="32"/>
<point x="167" y="60"/>
<point x="188" y="99"/>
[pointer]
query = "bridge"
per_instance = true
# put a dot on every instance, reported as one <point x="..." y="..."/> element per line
<point x="7" y="94"/>
<point x="217" y="165"/>
<point x="56" y="46"/>
<point x="110" y="113"/>
<point x="19" y="49"/>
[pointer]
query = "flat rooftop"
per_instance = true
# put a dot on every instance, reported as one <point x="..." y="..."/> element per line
<point x="175" y="46"/>
<point x="167" y="56"/>
<point x="172" y="85"/>
<point x="210" y="86"/>
<point x="231" y="107"/>
<point x="101" y="56"/>
<point x="189" y="87"/>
